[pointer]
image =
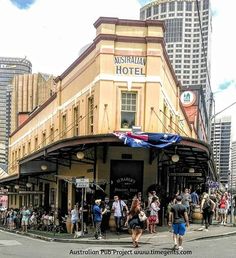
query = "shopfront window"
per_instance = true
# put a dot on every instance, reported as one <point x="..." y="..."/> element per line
<point x="128" y="109"/>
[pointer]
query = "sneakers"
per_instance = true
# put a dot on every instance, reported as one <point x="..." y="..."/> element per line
<point x="222" y="223"/>
<point x="175" y="247"/>
<point x="206" y="229"/>
<point x="180" y="248"/>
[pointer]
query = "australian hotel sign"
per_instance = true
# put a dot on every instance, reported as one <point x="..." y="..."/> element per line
<point x="130" y="65"/>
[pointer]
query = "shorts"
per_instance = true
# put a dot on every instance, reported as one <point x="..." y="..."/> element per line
<point x="179" y="229"/>
<point x="152" y="219"/>
<point x="24" y="222"/>
<point x="74" y="221"/>
<point x="222" y="211"/>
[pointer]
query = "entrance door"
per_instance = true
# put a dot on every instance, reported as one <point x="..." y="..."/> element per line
<point x="126" y="178"/>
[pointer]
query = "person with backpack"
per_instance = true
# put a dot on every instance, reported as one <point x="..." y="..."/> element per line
<point x="207" y="208"/>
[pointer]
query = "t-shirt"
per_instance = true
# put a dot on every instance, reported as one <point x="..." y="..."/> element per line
<point x="178" y="211"/>
<point x="97" y="213"/>
<point x="74" y="214"/>
<point x="25" y="214"/>
<point x="186" y="199"/>
<point x="116" y="206"/>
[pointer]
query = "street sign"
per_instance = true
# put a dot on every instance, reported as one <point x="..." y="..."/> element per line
<point x="185" y="174"/>
<point x="82" y="182"/>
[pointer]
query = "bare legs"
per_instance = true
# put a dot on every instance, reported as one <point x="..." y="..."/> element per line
<point x="136" y="234"/>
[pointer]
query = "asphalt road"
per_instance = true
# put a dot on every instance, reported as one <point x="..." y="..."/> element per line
<point x="17" y="246"/>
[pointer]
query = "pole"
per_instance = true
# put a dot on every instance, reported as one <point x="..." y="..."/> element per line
<point x="82" y="212"/>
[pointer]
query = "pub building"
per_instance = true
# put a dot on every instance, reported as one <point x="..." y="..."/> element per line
<point x="122" y="82"/>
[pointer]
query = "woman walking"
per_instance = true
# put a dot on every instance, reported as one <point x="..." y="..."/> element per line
<point x="133" y="219"/>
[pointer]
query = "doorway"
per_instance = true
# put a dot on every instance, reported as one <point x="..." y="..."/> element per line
<point x="126" y="178"/>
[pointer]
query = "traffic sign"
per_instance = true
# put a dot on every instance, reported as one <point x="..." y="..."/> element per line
<point x="82" y="182"/>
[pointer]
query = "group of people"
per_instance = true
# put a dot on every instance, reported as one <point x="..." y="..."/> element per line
<point x="28" y="217"/>
<point x="137" y="216"/>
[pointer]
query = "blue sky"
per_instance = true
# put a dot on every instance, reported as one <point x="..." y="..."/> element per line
<point x="50" y="33"/>
<point x="22" y="4"/>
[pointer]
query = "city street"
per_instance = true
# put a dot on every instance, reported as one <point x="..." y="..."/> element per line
<point x="12" y="245"/>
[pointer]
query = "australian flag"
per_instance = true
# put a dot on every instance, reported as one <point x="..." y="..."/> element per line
<point x="148" y="140"/>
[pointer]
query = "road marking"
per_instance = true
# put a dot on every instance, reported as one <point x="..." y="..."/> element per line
<point x="9" y="242"/>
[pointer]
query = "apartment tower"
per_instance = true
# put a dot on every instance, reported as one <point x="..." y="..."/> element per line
<point x="233" y="165"/>
<point x="188" y="39"/>
<point x="221" y="139"/>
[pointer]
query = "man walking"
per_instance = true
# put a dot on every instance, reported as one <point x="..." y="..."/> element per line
<point x="178" y="217"/>
<point x="117" y="207"/>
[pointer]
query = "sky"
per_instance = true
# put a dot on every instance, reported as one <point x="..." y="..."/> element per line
<point x="51" y="33"/>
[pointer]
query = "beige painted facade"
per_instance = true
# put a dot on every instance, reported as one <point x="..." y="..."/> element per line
<point x="124" y="78"/>
<point x="29" y="91"/>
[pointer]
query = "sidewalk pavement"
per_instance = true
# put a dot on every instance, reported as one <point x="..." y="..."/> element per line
<point x="163" y="235"/>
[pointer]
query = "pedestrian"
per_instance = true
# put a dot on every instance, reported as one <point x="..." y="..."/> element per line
<point x="178" y="218"/>
<point x="153" y="218"/>
<point x="106" y="216"/>
<point x="207" y="208"/>
<point x="118" y="206"/>
<point x="85" y="215"/>
<point x="134" y="222"/>
<point x="223" y="210"/>
<point x="25" y="218"/>
<point x="186" y="199"/>
<point x="97" y="218"/>
<point x="74" y="219"/>
<point x="194" y="203"/>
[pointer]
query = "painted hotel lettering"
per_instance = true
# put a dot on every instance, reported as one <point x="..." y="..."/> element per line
<point x="130" y="65"/>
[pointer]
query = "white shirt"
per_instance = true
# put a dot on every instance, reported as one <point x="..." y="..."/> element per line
<point x="74" y="214"/>
<point x="116" y="207"/>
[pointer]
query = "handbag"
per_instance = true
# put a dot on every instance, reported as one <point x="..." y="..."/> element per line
<point x="142" y="216"/>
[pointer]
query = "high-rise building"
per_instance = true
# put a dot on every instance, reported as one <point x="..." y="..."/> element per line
<point x="233" y="164"/>
<point x="187" y="36"/>
<point x="221" y="139"/>
<point x="9" y="67"/>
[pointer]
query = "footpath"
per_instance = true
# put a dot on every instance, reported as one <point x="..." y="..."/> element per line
<point x="163" y="236"/>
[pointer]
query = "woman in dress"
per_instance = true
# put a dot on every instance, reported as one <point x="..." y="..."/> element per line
<point x="134" y="222"/>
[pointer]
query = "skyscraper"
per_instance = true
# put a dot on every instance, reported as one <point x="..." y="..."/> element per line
<point x="9" y="67"/>
<point x="187" y="36"/>
<point x="221" y="139"/>
<point x="233" y="164"/>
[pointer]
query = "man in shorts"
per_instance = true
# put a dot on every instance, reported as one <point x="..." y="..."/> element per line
<point x="178" y="218"/>
<point x="25" y="219"/>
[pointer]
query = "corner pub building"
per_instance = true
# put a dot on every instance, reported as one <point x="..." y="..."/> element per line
<point x="123" y="79"/>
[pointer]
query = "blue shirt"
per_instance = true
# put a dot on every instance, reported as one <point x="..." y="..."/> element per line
<point x="194" y="197"/>
<point x="97" y="213"/>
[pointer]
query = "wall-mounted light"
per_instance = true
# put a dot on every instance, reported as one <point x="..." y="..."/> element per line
<point x="175" y="158"/>
<point x="28" y="185"/>
<point x="44" y="167"/>
<point x="191" y="170"/>
<point x="80" y="155"/>
<point x="16" y="187"/>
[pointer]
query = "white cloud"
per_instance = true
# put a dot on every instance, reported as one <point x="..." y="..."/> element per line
<point x="223" y="57"/>
<point x="51" y="34"/>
